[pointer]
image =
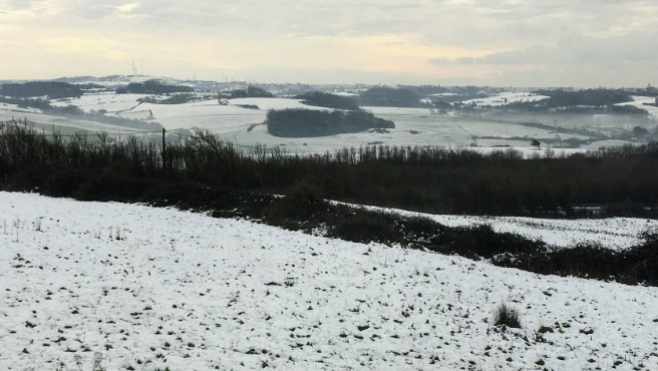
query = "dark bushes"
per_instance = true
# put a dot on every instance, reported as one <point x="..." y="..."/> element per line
<point x="328" y="100"/>
<point x="389" y="97"/>
<point x="619" y="181"/>
<point x="52" y="89"/>
<point x="208" y="174"/>
<point x="153" y="87"/>
<point x="312" y="123"/>
<point x="251" y="92"/>
<point x="589" y="97"/>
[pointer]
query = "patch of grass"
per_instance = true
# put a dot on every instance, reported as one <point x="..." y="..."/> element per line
<point x="507" y="316"/>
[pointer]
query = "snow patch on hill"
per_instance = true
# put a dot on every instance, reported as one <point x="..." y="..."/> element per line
<point x="506" y="98"/>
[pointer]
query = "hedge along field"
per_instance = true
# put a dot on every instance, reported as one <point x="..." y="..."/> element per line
<point x="621" y="181"/>
<point x="205" y="173"/>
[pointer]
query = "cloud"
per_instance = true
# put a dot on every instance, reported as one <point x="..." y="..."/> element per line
<point x="21" y="4"/>
<point x="128" y="7"/>
<point x="450" y="39"/>
<point x="575" y="51"/>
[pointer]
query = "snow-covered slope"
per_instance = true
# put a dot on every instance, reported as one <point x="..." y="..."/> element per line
<point x="644" y="103"/>
<point x="111" y="102"/>
<point x="150" y="289"/>
<point x="506" y="98"/>
<point x="612" y="233"/>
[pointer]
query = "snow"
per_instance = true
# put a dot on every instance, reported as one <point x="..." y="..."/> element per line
<point x="111" y="102"/>
<point x="267" y="104"/>
<point x="414" y="126"/>
<point x="345" y="94"/>
<point x="14" y="109"/>
<point x="152" y="288"/>
<point x="208" y="115"/>
<point x="639" y="102"/>
<point x="607" y="143"/>
<point x="613" y="233"/>
<point x="506" y="98"/>
<point x="63" y="125"/>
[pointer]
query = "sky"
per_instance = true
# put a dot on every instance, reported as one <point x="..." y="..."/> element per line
<point x="531" y="43"/>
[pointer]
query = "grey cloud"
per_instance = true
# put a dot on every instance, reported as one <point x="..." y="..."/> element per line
<point x="22" y="4"/>
<point x="303" y="17"/>
<point x="467" y="24"/>
<point x="90" y="9"/>
<point x="581" y="51"/>
<point x="558" y="34"/>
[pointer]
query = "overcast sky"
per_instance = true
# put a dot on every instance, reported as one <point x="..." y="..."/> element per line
<point x="586" y="43"/>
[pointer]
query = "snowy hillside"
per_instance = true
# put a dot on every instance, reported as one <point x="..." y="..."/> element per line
<point x="149" y="289"/>
<point x="240" y="121"/>
<point x="645" y="103"/>
<point x="612" y="233"/>
<point x="505" y="98"/>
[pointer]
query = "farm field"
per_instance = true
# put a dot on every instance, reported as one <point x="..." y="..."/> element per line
<point x="506" y="98"/>
<point x="612" y="233"/>
<point x="145" y="288"/>
<point x="50" y="123"/>
<point x="239" y="121"/>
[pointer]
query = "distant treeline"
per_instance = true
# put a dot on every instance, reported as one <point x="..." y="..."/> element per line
<point x="589" y="97"/>
<point x="389" y="97"/>
<point x="153" y="87"/>
<point x="328" y="100"/>
<point x="52" y="89"/>
<point x="614" y="110"/>
<point x="38" y="103"/>
<point x="90" y="86"/>
<point x="172" y="99"/>
<point x="425" y="90"/>
<point x="250" y="92"/>
<point x="618" y="181"/>
<point x="313" y="123"/>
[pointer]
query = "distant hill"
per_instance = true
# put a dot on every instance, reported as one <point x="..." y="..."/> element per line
<point x="589" y="101"/>
<point x="328" y="100"/>
<point x="389" y="97"/>
<point x="589" y="97"/>
<point x="251" y="92"/>
<point x="153" y="87"/>
<point x="299" y="123"/>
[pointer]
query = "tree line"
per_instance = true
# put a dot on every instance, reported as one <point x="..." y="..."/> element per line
<point x="153" y="87"/>
<point x="51" y="89"/>
<point x="620" y="181"/>
<point x="328" y="100"/>
<point x="296" y="123"/>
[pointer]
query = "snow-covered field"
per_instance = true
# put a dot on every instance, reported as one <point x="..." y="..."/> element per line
<point x="506" y="98"/>
<point x="111" y="102"/>
<point x="612" y="233"/>
<point x="414" y="126"/>
<point x="50" y="123"/>
<point x="151" y="289"/>
<point x="639" y="102"/>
